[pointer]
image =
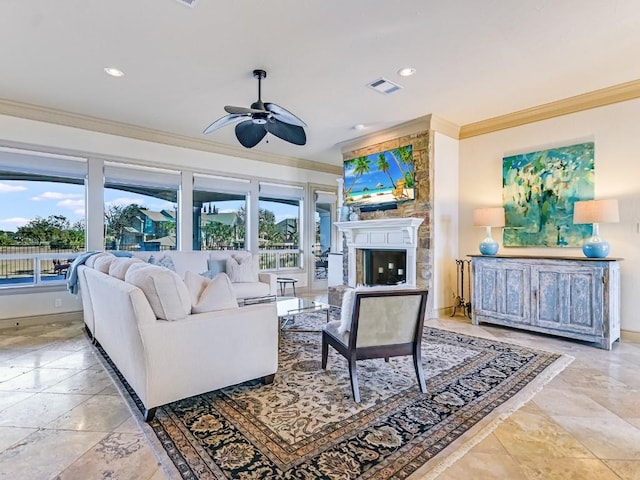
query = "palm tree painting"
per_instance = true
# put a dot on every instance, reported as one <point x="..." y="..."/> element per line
<point x="539" y="190"/>
<point x="383" y="177"/>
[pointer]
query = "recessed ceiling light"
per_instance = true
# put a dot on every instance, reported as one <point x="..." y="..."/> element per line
<point x="359" y="126"/>
<point x="114" y="72"/>
<point x="406" y="71"/>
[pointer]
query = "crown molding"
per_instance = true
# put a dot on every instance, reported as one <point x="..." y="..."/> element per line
<point x="416" y="125"/>
<point x="94" y="124"/>
<point x="586" y="101"/>
<point x="445" y="127"/>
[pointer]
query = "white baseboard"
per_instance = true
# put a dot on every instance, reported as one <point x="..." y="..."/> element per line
<point x="39" y="319"/>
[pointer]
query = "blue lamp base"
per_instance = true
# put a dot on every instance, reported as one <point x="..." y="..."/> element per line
<point x="599" y="249"/>
<point x="488" y="247"/>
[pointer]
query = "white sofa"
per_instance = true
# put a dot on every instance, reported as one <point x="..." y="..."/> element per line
<point x="163" y="360"/>
<point x="198" y="262"/>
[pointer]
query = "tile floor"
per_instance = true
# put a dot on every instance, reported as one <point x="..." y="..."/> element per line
<point x="62" y="418"/>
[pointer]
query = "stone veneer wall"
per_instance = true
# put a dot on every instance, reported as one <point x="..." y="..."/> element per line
<point x="419" y="208"/>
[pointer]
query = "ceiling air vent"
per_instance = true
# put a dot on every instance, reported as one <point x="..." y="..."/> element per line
<point x="384" y="86"/>
<point x="188" y="3"/>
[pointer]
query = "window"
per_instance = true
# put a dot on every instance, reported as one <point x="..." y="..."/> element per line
<point x="324" y="205"/>
<point x="279" y="232"/>
<point x="42" y="225"/>
<point x="140" y="205"/>
<point x="219" y="212"/>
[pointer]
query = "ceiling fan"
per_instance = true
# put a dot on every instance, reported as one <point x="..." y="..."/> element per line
<point x="260" y="119"/>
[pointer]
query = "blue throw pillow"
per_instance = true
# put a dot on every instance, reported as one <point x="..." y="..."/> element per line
<point x="217" y="266"/>
<point x="152" y="260"/>
<point x="166" y="262"/>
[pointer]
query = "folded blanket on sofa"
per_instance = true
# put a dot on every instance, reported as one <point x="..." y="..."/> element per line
<point x="72" y="276"/>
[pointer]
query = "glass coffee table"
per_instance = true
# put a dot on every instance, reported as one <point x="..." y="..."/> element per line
<point x="290" y="307"/>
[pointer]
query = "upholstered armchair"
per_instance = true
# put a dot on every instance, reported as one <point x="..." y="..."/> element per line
<point x="378" y="324"/>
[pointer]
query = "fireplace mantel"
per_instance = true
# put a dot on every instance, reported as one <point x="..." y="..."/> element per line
<point x="384" y="233"/>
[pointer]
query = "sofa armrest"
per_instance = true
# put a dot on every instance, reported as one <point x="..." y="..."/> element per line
<point x="269" y="278"/>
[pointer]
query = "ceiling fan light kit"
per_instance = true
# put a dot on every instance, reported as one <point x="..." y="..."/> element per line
<point x="260" y="119"/>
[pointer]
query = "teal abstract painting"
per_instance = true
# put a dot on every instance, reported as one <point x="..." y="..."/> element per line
<point x="539" y="190"/>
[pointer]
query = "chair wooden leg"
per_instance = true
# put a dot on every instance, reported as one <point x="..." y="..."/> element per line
<point x="386" y="359"/>
<point x="268" y="379"/>
<point x="325" y="352"/>
<point x="417" y="363"/>
<point x="354" y="379"/>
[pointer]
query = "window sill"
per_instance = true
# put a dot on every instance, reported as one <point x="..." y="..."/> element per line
<point x="25" y="289"/>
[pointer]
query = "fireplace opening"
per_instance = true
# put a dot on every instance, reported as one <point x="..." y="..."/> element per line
<point x="384" y="267"/>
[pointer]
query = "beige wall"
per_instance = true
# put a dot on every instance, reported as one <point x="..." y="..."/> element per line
<point x="445" y="173"/>
<point x="615" y="129"/>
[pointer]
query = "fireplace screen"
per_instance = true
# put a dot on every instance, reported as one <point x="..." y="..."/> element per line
<point x="381" y="267"/>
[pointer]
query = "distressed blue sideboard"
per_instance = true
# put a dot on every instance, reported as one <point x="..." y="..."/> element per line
<point x="571" y="297"/>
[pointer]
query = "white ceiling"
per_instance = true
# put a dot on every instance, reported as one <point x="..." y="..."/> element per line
<point x="475" y="59"/>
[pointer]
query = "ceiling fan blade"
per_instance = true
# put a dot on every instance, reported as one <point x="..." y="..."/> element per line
<point x="284" y="115"/>
<point x="223" y="121"/>
<point x="242" y="110"/>
<point x="249" y="134"/>
<point x="290" y="133"/>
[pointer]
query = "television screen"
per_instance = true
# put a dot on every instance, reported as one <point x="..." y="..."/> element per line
<point x="382" y="178"/>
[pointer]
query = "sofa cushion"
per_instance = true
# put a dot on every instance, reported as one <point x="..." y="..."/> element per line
<point x="103" y="263"/>
<point x="243" y="268"/>
<point x="92" y="259"/>
<point x="119" y="266"/>
<point x="166" y="292"/>
<point x="346" y="311"/>
<point x="251" y="289"/>
<point x="182" y="262"/>
<point x="210" y="294"/>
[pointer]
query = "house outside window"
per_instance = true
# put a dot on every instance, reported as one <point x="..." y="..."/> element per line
<point x="219" y="212"/>
<point x="140" y="208"/>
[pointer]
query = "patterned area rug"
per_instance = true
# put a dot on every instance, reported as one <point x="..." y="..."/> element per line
<point x="306" y="425"/>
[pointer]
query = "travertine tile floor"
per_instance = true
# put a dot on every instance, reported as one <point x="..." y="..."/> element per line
<point x="62" y="418"/>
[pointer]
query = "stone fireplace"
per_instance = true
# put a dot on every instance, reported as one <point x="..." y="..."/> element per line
<point x="416" y="240"/>
<point x="382" y="251"/>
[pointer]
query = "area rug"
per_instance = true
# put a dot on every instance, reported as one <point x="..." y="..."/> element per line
<point x="306" y="425"/>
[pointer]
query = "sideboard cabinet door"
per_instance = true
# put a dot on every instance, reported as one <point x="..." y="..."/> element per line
<point x="502" y="291"/>
<point x="568" y="299"/>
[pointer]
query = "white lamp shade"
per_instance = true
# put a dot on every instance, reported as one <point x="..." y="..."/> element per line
<point x="488" y="217"/>
<point x="596" y="211"/>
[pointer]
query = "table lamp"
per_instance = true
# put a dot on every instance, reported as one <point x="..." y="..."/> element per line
<point x="488" y="217"/>
<point x="596" y="212"/>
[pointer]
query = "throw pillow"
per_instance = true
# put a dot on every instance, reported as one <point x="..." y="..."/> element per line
<point x="103" y="263"/>
<point x="119" y="266"/>
<point x="90" y="262"/>
<point x="167" y="262"/>
<point x="167" y="294"/>
<point x="346" y="311"/>
<point x="216" y="266"/>
<point x="242" y="268"/>
<point x="209" y="295"/>
<point x="136" y="266"/>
